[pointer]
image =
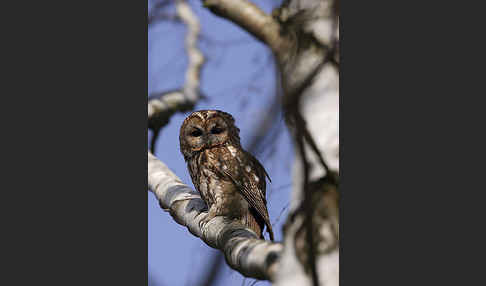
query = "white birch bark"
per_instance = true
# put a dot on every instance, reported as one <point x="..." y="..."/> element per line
<point x="243" y="250"/>
<point x="320" y="109"/>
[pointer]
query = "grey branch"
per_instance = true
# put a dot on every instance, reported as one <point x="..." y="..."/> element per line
<point x="251" y="18"/>
<point x="244" y="252"/>
<point x="162" y="106"/>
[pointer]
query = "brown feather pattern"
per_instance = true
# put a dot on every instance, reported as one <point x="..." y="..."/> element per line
<point x="230" y="180"/>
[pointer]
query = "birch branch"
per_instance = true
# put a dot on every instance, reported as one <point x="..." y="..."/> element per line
<point x="251" y="18"/>
<point x="162" y="106"/>
<point x="244" y="252"/>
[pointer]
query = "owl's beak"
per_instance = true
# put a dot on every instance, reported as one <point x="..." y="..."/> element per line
<point x="210" y="139"/>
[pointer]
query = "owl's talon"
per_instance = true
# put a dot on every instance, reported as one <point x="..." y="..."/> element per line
<point x="208" y="217"/>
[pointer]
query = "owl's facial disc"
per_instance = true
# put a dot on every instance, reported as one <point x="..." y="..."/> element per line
<point x="195" y="137"/>
<point x="216" y="133"/>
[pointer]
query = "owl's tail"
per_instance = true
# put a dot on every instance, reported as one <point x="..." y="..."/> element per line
<point x="256" y="223"/>
<point x="270" y="231"/>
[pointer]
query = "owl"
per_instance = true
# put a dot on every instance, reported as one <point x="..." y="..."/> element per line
<point x="230" y="180"/>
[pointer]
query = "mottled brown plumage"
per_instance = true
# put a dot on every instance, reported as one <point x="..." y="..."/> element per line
<point x="230" y="180"/>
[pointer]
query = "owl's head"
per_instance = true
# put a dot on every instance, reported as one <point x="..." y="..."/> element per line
<point x="205" y="129"/>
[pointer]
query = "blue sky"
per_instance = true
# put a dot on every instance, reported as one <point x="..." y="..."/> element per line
<point x="238" y="78"/>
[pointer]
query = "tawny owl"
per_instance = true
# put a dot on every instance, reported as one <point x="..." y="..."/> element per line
<point x="230" y="180"/>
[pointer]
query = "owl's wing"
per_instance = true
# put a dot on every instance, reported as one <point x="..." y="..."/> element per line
<point x="262" y="173"/>
<point x="249" y="176"/>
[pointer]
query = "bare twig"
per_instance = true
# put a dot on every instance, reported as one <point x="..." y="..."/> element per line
<point x="308" y="138"/>
<point x="162" y="106"/>
<point x="308" y="206"/>
<point x="291" y="106"/>
<point x="296" y="121"/>
<point x="281" y="213"/>
<point x="292" y="97"/>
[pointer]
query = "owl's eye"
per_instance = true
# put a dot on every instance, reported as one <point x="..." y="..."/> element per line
<point x="196" y="133"/>
<point x="216" y="130"/>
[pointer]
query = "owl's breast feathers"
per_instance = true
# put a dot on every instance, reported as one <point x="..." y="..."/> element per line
<point x="234" y="169"/>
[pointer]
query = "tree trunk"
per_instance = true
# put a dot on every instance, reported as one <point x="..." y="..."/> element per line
<point x="310" y="78"/>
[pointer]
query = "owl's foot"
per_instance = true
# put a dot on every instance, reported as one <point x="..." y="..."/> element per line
<point x="211" y="214"/>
